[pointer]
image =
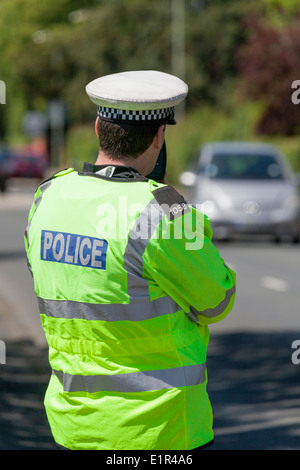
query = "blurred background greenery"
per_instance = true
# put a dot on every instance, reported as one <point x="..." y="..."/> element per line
<point x="239" y="59"/>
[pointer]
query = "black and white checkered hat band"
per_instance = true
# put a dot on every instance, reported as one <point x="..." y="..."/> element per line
<point x="156" y="115"/>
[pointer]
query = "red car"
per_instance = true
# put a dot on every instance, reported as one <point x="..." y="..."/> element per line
<point x="26" y="163"/>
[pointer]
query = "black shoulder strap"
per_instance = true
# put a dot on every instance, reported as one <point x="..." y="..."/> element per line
<point x="172" y="203"/>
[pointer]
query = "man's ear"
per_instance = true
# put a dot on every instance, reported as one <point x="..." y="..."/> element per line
<point x="96" y="126"/>
<point x="160" y="136"/>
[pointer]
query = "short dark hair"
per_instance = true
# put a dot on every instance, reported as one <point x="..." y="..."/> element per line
<point x="120" y="140"/>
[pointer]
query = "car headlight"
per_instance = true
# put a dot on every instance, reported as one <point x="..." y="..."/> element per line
<point x="291" y="201"/>
<point x="209" y="208"/>
<point x="225" y="202"/>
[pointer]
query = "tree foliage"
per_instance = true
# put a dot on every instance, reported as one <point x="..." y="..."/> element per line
<point x="51" y="49"/>
<point x="269" y="63"/>
<point x="63" y="44"/>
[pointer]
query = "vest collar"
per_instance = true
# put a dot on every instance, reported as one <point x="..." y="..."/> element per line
<point x="112" y="172"/>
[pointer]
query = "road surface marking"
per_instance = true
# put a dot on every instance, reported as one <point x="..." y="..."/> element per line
<point x="274" y="283"/>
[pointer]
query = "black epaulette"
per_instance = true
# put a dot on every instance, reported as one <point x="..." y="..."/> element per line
<point x="172" y="203"/>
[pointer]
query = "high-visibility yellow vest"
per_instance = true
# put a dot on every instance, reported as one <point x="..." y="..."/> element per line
<point x="127" y="280"/>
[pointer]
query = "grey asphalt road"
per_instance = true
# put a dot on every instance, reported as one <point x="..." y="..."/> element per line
<point x="253" y="384"/>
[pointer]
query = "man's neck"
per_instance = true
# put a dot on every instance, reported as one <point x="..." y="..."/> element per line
<point x="103" y="159"/>
<point x="140" y="164"/>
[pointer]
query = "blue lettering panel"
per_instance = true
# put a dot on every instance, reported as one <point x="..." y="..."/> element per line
<point x="70" y="248"/>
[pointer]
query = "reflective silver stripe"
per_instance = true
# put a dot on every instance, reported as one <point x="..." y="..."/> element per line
<point x="214" y="312"/>
<point x="108" y="312"/>
<point x="138" y="240"/>
<point x="37" y="202"/>
<point x="44" y="186"/>
<point x="134" y="381"/>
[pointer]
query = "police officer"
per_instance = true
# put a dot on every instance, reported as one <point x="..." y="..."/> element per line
<point x="127" y="281"/>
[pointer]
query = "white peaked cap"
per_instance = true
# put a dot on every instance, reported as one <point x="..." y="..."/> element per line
<point x="137" y="96"/>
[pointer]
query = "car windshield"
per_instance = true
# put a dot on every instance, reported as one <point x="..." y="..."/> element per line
<point x="243" y="166"/>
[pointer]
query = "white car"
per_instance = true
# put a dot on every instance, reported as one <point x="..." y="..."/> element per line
<point x="246" y="188"/>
